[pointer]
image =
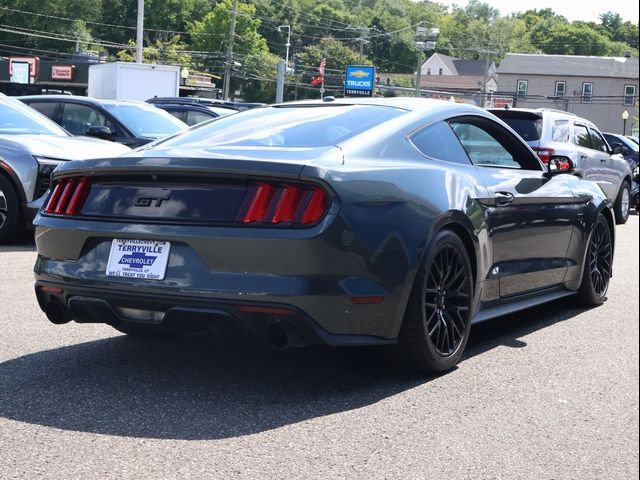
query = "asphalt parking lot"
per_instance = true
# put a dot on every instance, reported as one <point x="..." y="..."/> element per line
<point x="551" y="393"/>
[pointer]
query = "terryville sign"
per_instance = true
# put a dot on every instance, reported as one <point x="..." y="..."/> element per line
<point x="359" y="81"/>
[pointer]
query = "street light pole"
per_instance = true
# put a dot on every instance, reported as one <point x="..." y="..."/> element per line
<point x="288" y="44"/>
<point x="625" y="116"/>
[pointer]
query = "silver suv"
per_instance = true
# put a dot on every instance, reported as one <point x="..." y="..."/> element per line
<point x="554" y="133"/>
<point x="31" y="147"/>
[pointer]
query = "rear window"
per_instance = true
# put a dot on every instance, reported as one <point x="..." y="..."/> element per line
<point x="287" y="126"/>
<point x="561" y="131"/>
<point x="528" y="128"/>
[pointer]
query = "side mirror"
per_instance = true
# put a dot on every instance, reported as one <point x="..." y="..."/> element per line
<point x="559" y="165"/>
<point x="100" y="131"/>
<point x="616" y="148"/>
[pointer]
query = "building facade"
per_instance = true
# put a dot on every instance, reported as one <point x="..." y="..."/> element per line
<point x="600" y="89"/>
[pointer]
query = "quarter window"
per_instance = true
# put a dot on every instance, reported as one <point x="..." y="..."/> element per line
<point x="560" y="131"/>
<point x="439" y="142"/>
<point x="522" y="88"/>
<point x="629" y="94"/>
<point x="587" y="92"/>
<point x="561" y="88"/>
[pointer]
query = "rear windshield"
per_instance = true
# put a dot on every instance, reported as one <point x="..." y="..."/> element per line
<point x="287" y="126"/>
<point x="529" y="129"/>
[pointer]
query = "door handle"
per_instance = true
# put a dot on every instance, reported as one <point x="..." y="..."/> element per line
<point x="603" y="160"/>
<point x="503" y="199"/>
<point x="583" y="157"/>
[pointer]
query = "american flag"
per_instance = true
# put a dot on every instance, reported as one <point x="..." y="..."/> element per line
<point x="323" y="65"/>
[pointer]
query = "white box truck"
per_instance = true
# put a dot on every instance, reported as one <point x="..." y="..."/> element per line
<point x="133" y="81"/>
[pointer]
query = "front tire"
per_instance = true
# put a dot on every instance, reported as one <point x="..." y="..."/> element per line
<point x="10" y="215"/>
<point x="623" y="203"/>
<point x="437" y="321"/>
<point x="597" y="270"/>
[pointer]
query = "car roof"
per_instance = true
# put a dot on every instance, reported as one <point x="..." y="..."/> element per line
<point x="82" y="99"/>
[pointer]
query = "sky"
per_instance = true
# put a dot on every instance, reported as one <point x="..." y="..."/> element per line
<point x="588" y="10"/>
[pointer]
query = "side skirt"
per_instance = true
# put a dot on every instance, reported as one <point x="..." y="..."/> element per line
<point x="519" y="304"/>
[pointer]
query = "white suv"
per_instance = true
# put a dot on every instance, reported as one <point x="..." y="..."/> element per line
<point x="554" y="133"/>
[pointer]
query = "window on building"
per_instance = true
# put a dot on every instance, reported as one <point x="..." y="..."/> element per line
<point x="428" y="71"/>
<point x="440" y="71"/>
<point x="587" y="92"/>
<point x="629" y="94"/>
<point x="522" y="88"/>
<point x="561" y="88"/>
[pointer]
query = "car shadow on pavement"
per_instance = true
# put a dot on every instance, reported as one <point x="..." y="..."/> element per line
<point x="25" y="243"/>
<point x="191" y="388"/>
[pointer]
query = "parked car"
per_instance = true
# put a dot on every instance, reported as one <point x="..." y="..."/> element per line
<point x="131" y="123"/>
<point x="31" y="146"/>
<point x="191" y="111"/>
<point x="630" y="149"/>
<point x="557" y="133"/>
<point x="340" y="222"/>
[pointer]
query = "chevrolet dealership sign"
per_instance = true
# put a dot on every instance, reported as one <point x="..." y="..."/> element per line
<point x="359" y="81"/>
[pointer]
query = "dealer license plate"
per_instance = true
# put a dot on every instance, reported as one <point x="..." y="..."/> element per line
<point x="145" y="259"/>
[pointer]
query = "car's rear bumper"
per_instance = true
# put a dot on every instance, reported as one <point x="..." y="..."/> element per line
<point x="278" y="325"/>
<point x="323" y="274"/>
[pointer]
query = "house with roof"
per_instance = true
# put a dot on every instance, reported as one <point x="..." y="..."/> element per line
<point x="442" y="72"/>
<point x="599" y="89"/>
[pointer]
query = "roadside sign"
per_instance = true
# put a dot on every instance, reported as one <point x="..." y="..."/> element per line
<point x="502" y="102"/>
<point x="359" y="81"/>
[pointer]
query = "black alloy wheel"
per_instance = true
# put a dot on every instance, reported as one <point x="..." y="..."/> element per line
<point x="446" y="300"/>
<point x="598" y="265"/>
<point x="437" y="320"/>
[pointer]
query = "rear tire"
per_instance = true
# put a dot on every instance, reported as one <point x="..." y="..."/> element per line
<point x="437" y="320"/>
<point x="10" y="214"/>
<point x="596" y="272"/>
<point x="623" y="203"/>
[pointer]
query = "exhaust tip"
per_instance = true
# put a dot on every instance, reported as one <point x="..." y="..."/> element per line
<point x="57" y="313"/>
<point x="277" y="336"/>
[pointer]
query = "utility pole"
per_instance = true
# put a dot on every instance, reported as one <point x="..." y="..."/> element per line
<point x="485" y="79"/>
<point x="282" y="68"/>
<point x="425" y="40"/>
<point x="229" y="62"/>
<point x="288" y="44"/>
<point x="139" y="31"/>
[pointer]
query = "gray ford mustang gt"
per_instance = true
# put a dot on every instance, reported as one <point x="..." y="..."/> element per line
<point x="340" y="222"/>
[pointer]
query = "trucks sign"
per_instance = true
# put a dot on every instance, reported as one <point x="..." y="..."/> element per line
<point x="359" y="81"/>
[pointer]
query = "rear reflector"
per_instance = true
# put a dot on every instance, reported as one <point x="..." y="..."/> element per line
<point x="284" y="204"/>
<point x="266" y="310"/>
<point x="68" y="196"/>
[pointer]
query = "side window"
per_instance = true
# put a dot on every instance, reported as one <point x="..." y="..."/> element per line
<point x="194" y="117"/>
<point x="561" y="88"/>
<point x="522" y="88"/>
<point x="439" y="142"/>
<point x="489" y="144"/>
<point x="629" y="94"/>
<point x="597" y="142"/>
<point x="581" y="136"/>
<point x="77" y="119"/>
<point x="560" y="131"/>
<point x="179" y="114"/>
<point x="48" y="109"/>
<point x="587" y="92"/>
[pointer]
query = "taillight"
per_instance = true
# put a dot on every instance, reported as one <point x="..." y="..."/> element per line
<point x="68" y="196"/>
<point x="545" y="154"/>
<point x="284" y="204"/>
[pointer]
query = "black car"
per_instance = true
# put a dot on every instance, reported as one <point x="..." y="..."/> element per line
<point x="131" y="123"/>
<point x="340" y="222"/>
<point x="192" y="111"/>
<point x="630" y="149"/>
